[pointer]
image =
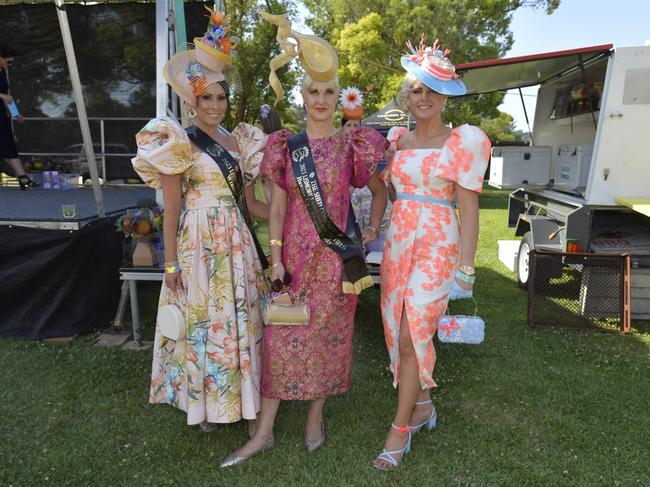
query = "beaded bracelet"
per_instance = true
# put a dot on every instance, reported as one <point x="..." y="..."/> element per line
<point x="275" y="242"/>
<point x="464" y="277"/>
<point x="171" y="267"/>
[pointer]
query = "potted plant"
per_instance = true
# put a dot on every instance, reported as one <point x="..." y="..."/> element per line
<point x="142" y="225"/>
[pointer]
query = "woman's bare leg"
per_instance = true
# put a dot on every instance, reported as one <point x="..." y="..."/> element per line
<point x="407" y="393"/>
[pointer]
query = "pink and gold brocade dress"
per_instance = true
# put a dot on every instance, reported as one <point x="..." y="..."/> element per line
<point x="314" y="361"/>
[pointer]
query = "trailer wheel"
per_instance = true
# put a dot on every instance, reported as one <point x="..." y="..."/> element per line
<point x="525" y="246"/>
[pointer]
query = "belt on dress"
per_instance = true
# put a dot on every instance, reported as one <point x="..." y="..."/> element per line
<point x="426" y="199"/>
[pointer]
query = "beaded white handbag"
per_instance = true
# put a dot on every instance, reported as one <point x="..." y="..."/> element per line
<point x="461" y="328"/>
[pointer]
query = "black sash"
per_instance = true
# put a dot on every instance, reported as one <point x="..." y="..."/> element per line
<point x="232" y="173"/>
<point x="347" y="245"/>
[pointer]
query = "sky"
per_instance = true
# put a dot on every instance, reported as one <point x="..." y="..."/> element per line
<point x="575" y="23"/>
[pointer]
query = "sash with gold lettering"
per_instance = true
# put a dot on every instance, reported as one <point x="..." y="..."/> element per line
<point x="347" y="245"/>
<point x="232" y="173"/>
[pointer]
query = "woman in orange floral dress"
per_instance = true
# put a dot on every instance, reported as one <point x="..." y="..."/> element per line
<point x="427" y="247"/>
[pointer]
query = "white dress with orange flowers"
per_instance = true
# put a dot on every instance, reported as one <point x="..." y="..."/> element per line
<point x="423" y="242"/>
<point x="213" y="374"/>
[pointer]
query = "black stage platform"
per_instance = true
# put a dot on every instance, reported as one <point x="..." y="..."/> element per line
<point x="41" y="208"/>
<point x="60" y="277"/>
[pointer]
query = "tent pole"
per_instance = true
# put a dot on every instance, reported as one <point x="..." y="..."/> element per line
<point x="161" y="57"/>
<point x="523" y="104"/>
<point x="81" y="107"/>
<point x="180" y="40"/>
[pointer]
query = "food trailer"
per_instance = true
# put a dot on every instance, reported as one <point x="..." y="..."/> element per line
<point x="583" y="185"/>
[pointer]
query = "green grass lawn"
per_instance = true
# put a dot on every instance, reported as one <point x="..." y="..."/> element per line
<point x="528" y="407"/>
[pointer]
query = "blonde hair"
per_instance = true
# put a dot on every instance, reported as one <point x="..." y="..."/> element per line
<point x="403" y="95"/>
<point x="307" y="81"/>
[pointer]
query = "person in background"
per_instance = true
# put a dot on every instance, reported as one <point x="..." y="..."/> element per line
<point x="258" y="188"/>
<point x="8" y="150"/>
<point x="352" y="108"/>
<point x="428" y="246"/>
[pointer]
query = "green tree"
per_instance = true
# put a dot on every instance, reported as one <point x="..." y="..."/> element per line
<point x="370" y="37"/>
<point x="501" y="128"/>
<point x="254" y="51"/>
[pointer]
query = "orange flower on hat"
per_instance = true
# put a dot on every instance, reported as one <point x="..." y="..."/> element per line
<point x="226" y="45"/>
<point x="216" y="17"/>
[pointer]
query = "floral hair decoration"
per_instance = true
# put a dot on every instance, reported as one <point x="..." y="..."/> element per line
<point x="352" y="103"/>
<point x="265" y="110"/>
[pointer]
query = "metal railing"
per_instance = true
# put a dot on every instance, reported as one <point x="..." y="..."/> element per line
<point x="102" y="154"/>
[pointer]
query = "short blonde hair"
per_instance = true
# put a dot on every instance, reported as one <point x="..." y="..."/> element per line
<point x="307" y="81"/>
<point x="403" y="95"/>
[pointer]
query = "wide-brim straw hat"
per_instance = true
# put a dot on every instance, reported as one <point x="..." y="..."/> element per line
<point x="317" y="57"/>
<point x="190" y="78"/>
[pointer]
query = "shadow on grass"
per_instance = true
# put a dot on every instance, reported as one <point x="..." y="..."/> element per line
<point x="494" y="199"/>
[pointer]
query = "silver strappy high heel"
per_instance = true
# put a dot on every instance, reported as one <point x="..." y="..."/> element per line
<point x="389" y="455"/>
<point x="429" y="423"/>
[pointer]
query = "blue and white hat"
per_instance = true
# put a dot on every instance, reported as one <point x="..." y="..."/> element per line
<point x="432" y="67"/>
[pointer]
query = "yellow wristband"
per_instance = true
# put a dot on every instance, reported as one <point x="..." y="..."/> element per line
<point x="275" y="242"/>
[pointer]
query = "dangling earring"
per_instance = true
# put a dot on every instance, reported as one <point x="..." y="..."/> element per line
<point x="191" y="113"/>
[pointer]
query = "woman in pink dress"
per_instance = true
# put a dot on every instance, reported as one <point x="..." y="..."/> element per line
<point x="427" y="246"/>
<point x="313" y="361"/>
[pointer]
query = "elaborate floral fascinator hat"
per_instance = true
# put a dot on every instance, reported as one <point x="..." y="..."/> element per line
<point x="192" y="71"/>
<point x="317" y="57"/>
<point x="352" y="103"/>
<point x="432" y="67"/>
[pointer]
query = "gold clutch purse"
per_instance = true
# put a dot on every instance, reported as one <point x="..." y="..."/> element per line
<point x="282" y="311"/>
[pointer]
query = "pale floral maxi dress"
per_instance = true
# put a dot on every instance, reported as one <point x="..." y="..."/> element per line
<point x="423" y="242"/>
<point x="214" y="374"/>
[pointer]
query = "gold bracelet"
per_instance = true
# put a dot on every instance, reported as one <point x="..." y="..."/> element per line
<point x="275" y="242"/>
<point x="275" y="265"/>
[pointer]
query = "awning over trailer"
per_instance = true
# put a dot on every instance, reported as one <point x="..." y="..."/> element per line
<point x="518" y="72"/>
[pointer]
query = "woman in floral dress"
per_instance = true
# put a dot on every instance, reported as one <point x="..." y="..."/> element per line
<point x="427" y="246"/>
<point x="212" y="270"/>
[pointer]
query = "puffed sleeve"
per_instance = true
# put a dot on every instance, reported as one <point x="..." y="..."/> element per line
<point x="251" y="142"/>
<point x="163" y="148"/>
<point x="276" y="158"/>
<point x="464" y="157"/>
<point x="393" y="136"/>
<point x="368" y="148"/>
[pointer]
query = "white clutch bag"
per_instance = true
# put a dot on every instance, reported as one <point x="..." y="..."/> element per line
<point x="171" y="322"/>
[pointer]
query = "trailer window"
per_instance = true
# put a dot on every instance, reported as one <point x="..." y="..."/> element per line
<point x="635" y="91"/>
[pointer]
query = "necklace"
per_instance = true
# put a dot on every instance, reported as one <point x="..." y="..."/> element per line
<point x="332" y="132"/>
